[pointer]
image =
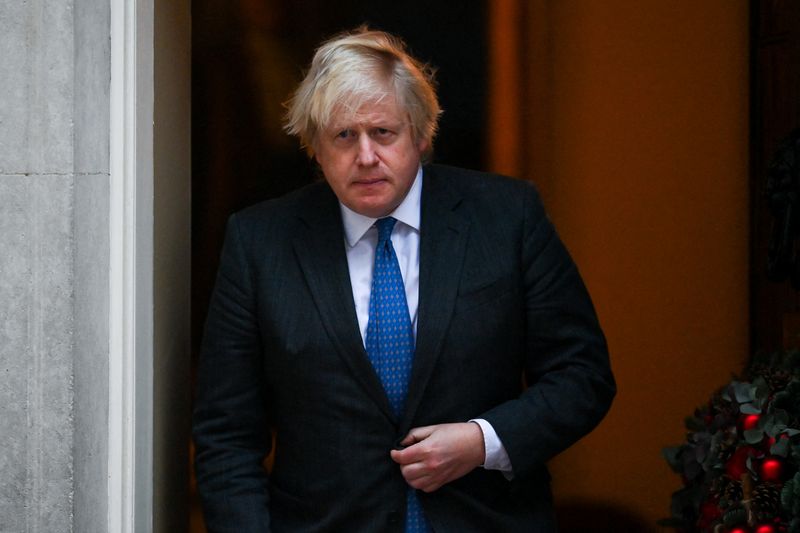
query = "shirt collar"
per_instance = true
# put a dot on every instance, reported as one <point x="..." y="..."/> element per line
<point x="408" y="212"/>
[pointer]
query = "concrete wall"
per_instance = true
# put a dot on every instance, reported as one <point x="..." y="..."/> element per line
<point x="54" y="264"/>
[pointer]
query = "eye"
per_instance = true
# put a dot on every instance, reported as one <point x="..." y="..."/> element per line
<point x="344" y="134"/>
<point x="382" y="134"/>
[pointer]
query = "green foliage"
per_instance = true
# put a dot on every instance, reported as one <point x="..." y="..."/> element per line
<point x="752" y="418"/>
<point x="790" y="496"/>
<point x="734" y="517"/>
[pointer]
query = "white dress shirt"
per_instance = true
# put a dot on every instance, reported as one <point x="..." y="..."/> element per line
<point x="361" y="239"/>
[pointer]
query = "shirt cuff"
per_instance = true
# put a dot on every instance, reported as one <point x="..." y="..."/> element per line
<point x="496" y="455"/>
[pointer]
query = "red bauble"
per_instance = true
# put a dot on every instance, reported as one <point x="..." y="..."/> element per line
<point x="749" y="422"/>
<point x="771" y="469"/>
<point x="739" y="530"/>
<point x="770" y="441"/>
<point x="709" y="513"/>
<point x="766" y="528"/>
<point x="736" y="466"/>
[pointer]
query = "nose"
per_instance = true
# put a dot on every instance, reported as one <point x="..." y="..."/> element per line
<point x="366" y="151"/>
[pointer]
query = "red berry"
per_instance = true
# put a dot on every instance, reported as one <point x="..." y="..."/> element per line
<point x="749" y="422"/>
<point x="709" y="511"/>
<point x="771" y="469"/>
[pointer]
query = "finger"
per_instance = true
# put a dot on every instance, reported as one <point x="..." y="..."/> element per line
<point x="416" y="435"/>
<point x="414" y="448"/>
<point x="424" y="482"/>
<point x="397" y="456"/>
<point x="409" y="455"/>
<point x="429" y="487"/>
<point x="414" y="471"/>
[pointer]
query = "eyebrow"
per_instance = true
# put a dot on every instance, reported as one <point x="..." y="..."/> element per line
<point x="367" y="125"/>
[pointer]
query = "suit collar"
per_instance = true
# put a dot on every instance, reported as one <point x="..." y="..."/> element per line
<point x="321" y="254"/>
<point x="319" y="247"/>
<point x="443" y="237"/>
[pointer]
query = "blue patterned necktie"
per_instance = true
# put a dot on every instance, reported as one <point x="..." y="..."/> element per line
<point x="390" y="341"/>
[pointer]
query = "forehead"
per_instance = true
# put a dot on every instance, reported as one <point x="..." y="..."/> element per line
<point x="385" y="108"/>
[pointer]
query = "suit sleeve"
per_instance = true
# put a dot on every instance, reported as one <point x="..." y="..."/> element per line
<point x="229" y="424"/>
<point x="567" y="370"/>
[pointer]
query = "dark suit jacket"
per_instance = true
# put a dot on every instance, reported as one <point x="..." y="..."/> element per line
<point x="499" y="299"/>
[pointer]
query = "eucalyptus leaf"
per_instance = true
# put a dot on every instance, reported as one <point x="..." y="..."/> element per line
<point x="762" y="388"/>
<point x="672" y="456"/>
<point x="787" y="495"/>
<point x="777" y="429"/>
<point x="693" y="423"/>
<point x="754" y="436"/>
<point x="781" y="417"/>
<point x="692" y="469"/>
<point x="744" y="392"/>
<point x="781" y="447"/>
<point x="771" y="424"/>
<point x="749" y="409"/>
<point x="701" y="451"/>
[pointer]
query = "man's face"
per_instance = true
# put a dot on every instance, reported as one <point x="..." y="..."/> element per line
<point x="370" y="161"/>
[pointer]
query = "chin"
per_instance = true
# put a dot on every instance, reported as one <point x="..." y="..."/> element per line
<point x="374" y="209"/>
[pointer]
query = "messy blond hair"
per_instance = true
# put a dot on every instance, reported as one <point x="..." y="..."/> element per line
<point x="357" y="67"/>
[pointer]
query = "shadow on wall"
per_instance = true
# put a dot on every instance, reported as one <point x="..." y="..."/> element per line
<point x="580" y="516"/>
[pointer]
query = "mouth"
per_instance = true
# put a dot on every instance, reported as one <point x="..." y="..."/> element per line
<point x="368" y="181"/>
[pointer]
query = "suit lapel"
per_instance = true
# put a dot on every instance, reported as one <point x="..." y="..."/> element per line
<point x="443" y="238"/>
<point x="320" y="252"/>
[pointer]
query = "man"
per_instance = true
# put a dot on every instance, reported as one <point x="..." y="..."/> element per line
<point x="381" y="324"/>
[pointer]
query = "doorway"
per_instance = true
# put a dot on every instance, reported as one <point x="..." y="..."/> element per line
<point x="248" y="55"/>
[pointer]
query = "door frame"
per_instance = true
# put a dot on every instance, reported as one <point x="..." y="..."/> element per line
<point x="130" y="414"/>
<point x="150" y="235"/>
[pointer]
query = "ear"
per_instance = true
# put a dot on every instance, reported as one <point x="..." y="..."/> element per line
<point x="312" y="144"/>
<point x="423" y="145"/>
<point x="312" y="152"/>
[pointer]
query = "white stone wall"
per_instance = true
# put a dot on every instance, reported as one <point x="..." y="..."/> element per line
<point x="53" y="264"/>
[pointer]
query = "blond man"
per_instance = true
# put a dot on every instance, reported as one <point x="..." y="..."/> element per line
<point x="415" y="336"/>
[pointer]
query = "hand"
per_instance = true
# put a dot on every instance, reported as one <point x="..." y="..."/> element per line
<point x="438" y="454"/>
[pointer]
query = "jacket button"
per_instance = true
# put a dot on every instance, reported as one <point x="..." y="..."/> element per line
<point x="394" y="517"/>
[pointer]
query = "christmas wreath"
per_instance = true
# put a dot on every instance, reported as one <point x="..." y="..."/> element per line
<point x="740" y="464"/>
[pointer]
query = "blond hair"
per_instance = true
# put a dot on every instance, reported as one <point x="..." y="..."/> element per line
<point x="357" y="67"/>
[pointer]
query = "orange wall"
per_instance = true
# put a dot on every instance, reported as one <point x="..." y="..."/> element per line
<point x="641" y="157"/>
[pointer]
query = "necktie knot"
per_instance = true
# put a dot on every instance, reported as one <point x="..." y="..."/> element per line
<point x="385" y="227"/>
